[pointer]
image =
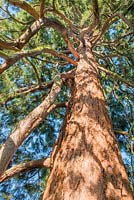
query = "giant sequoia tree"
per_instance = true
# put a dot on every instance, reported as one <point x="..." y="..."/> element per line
<point x="70" y="59"/>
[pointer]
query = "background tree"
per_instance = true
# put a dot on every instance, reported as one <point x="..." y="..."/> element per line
<point x="51" y="52"/>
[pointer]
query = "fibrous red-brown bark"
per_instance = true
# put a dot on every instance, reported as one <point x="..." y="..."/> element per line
<point x="26" y="125"/>
<point x="86" y="160"/>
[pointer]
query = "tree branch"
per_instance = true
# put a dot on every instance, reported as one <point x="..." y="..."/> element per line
<point x="116" y="76"/>
<point x="25" y="126"/>
<point x="72" y="27"/>
<point x="33" y="29"/>
<point x="28" y="34"/>
<point x="23" y="91"/>
<point x="12" y="16"/>
<point x="10" y="61"/>
<point x="42" y="7"/>
<point x="34" y="88"/>
<point x="54" y="23"/>
<point x="121" y="16"/>
<point x="60" y="14"/>
<point x="7" y="45"/>
<point x="89" y="29"/>
<point x="108" y="23"/>
<point x="35" y="70"/>
<point x="25" y="6"/>
<point x="3" y="55"/>
<point x="120" y="132"/>
<point x="96" y="11"/>
<point x="24" y="167"/>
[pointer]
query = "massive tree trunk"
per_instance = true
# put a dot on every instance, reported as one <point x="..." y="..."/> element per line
<point x="86" y="160"/>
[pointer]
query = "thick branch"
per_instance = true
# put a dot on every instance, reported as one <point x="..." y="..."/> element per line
<point x="25" y="6"/>
<point x="25" y="126"/>
<point x="10" y="61"/>
<point x="25" y="37"/>
<point x="115" y="76"/>
<point x="96" y="11"/>
<point x="28" y="34"/>
<point x="64" y="32"/>
<point x="42" y="6"/>
<point x="24" y="167"/>
<point x="34" y="28"/>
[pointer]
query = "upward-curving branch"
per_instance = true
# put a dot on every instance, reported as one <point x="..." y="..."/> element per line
<point x="24" y="167"/>
<point x="25" y="126"/>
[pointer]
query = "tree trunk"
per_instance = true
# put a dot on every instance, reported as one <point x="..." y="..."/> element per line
<point x="86" y="160"/>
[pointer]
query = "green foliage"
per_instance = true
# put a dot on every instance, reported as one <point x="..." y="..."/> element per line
<point x="114" y="51"/>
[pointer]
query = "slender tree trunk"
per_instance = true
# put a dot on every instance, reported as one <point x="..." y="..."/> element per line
<point x="86" y="160"/>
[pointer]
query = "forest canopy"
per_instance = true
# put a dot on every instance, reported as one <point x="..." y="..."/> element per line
<point x="40" y="49"/>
